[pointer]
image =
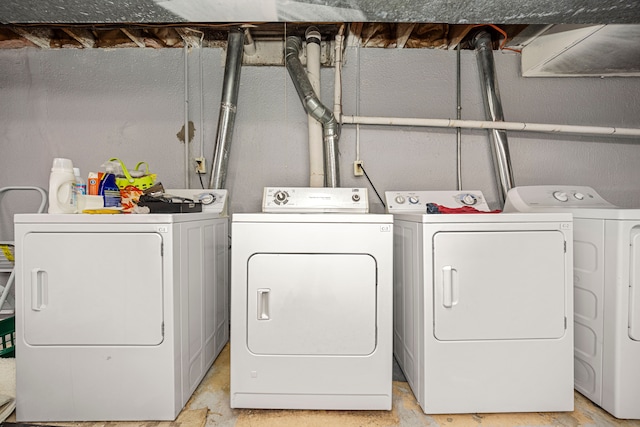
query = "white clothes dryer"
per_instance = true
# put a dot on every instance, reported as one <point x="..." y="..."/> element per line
<point x="607" y="291"/>
<point x="118" y="317"/>
<point x="311" y="302"/>
<point x="483" y="305"/>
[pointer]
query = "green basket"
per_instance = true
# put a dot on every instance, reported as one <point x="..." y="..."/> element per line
<point x="8" y="336"/>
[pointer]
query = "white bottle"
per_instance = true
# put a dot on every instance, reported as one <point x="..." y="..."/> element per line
<point x="61" y="183"/>
<point x="79" y="189"/>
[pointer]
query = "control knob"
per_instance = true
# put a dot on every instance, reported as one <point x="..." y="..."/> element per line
<point x="561" y="196"/>
<point x="280" y="197"/>
<point x="469" y="200"/>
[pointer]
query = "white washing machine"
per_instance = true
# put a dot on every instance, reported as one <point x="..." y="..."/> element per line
<point x="607" y="291"/>
<point x="483" y="305"/>
<point x="118" y="317"/>
<point x="311" y="302"/>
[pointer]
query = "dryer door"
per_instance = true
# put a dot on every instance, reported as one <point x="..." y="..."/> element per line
<point x="92" y="288"/>
<point x="311" y="304"/>
<point x="499" y="285"/>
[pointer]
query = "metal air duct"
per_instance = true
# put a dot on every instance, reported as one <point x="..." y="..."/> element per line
<point x="493" y="112"/>
<point x="315" y="108"/>
<point x="227" y="117"/>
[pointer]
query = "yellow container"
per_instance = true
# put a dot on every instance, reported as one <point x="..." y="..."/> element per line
<point x="146" y="180"/>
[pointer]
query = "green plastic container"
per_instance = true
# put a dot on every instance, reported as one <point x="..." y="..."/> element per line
<point x="8" y="337"/>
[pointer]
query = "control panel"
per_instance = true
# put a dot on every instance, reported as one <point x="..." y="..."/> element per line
<point x="416" y="201"/>
<point x="525" y="198"/>
<point x="312" y="199"/>
<point x="212" y="200"/>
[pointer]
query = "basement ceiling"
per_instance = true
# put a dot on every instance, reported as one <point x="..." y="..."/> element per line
<point x="441" y="24"/>
<point x="427" y="11"/>
<point x="378" y="34"/>
<point x="379" y="23"/>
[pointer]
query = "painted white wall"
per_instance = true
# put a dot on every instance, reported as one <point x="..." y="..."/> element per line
<point x="93" y="104"/>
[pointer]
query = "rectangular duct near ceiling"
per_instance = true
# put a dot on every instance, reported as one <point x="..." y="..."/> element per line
<point x="583" y="51"/>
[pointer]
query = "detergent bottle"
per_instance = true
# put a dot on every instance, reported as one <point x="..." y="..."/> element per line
<point x="61" y="183"/>
<point x="108" y="188"/>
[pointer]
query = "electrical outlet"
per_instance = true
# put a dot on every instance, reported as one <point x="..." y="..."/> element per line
<point x="201" y="166"/>
<point x="357" y="168"/>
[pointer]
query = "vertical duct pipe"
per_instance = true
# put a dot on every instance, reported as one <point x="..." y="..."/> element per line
<point x="316" y="166"/>
<point x="493" y="112"/>
<point x="315" y="108"/>
<point x="226" y="119"/>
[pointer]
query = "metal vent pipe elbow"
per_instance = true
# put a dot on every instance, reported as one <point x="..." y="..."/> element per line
<point x="314" y="107"/>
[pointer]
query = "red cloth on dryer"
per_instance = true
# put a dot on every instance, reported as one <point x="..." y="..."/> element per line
<point x="439" y="209"/>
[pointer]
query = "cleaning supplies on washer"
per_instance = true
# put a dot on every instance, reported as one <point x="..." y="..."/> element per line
<point x="93" y="183"/>
<point x="108" y="188"/>
<point x="61" y="182"/>
<point x="79" y="188"/>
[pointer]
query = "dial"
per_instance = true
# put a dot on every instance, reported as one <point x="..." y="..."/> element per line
<point x="355" y="197"/>
<point x="280" y="197"/>
<point x="400" y="200"/>
<point x="578" y="196"/>
<point x="414" y="200"/>
<point x="469" y="200"/>
<point x="561" y="196"/>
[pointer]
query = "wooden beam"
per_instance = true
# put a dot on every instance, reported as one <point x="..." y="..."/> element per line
<point x="41" y="37"/>
<point x="403" y="32"/>
<point x="135" y="36"/>
<point x="190" y="36"/>
<point x="81" y="35"/>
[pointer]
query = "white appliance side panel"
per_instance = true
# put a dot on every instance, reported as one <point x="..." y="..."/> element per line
<point x="192" y="285"/>
<point x="588" y="280"/>
<point x="634" y="286"/>
<point x="407" y="298"/>
<point x="216" y="312"/>
<point x="92" y="289"/>
<point x="499" y="285"/>
<point x="311" y="304"/>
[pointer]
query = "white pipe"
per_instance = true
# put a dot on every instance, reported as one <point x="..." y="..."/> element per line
<point x="458" y="117"/>
<point x="337" y="85"/>
<point x="186" y="114"/>
<point x="201" y="101"/>
<point x="316" y="156"/>
<point x="482" y="124"/>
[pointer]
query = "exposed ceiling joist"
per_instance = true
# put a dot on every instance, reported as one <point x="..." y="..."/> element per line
<point x="83" y="36"/>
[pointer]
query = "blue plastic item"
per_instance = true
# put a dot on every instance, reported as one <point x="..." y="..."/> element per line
<point x="109" y="190"/>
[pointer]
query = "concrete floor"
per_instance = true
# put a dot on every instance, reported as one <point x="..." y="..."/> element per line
<point x="209" y="406"/>
<point x="213" y="394"/>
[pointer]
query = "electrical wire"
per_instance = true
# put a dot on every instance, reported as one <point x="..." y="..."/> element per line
<point x="200" y="178"/>
<point x="372" y="186"/>
<point x="504" y="35"/>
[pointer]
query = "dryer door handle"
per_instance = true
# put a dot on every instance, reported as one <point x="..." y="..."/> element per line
<point x="447" y="286"/>
<point x="39" y="289"/>
<point x="263" y="304"/>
